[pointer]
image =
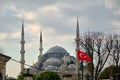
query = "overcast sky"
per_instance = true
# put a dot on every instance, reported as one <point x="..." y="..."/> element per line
<point x="57" y="18"/>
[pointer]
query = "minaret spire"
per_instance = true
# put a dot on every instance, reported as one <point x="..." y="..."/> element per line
<point x="77" y="30"/>
<point x="22" y="51"/>
<point x="77" y="40"/>
<point x="22" y="27"/>
<point x="41" y="48"/>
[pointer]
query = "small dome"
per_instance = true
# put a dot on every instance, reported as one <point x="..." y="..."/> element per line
<point x="71" y="66"/>
<point x="66" y="58"/>
<point x="57" y="49"/>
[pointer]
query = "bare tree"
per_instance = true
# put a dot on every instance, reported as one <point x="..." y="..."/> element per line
<point x="96" y="43"/>
<point x="116" y="49"/>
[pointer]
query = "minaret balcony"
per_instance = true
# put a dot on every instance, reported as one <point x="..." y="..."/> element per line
<point x="22" y="61"/>
<point x="22" y="51"/>
<point x="40" y="49"/>
<point x="22" y="41"/>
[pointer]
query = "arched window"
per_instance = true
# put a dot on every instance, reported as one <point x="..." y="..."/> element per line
<point x="51" y="54"/>
<point x="56" y="54"/>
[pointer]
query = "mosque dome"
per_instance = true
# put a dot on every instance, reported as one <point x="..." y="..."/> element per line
<point x="58" y="50"/>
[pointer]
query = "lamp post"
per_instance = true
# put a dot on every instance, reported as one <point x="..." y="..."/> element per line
<point x="27" y="75"/>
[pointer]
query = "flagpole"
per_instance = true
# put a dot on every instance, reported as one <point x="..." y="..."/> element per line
<point x="82" y="69"/>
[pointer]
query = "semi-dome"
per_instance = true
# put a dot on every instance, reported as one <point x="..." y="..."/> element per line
<point x="57" y="49"/>
<point x="49" y="67"/>
<point x="53" y="60"/>
<point x="52" y="63"/>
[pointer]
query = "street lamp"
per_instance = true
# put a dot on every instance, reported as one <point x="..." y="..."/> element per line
<point x="27" y="75"/>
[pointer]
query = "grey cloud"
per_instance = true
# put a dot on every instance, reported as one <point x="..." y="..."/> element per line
<point x="112" y="4"/>
<point x="32" y="5"/>
<point x="8" y="22"/>
<point x="59" y="25"/>
<point x="96" y="14"/>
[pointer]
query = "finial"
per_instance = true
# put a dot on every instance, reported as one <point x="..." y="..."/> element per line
<point x="22" y="21"/>
<point x="41" y="35"/>
<point x="22" y="26"/>
<point x="77" y="18"/>
<point x="77" y="25"/>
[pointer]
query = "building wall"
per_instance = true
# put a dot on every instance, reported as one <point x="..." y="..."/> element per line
<point x="2" y="70"/>
<point x="3" y="60"/>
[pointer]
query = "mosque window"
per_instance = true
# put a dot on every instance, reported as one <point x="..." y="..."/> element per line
<point x="56" y="55"/>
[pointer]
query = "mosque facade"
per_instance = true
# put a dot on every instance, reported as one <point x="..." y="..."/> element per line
<point x="55" y="59"/>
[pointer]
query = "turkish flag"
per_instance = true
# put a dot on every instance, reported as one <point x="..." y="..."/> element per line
<point x="87" y="58"/>
<point x="83" y="56"/>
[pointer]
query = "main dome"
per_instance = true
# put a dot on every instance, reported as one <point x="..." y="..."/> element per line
<point x="56" y="52"/>
<point x="57" y="49"/>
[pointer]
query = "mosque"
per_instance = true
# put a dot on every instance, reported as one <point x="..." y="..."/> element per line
<point x="55" y="59"/>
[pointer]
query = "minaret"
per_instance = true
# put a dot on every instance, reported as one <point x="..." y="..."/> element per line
<point x="77" y="40"/>
<point x="22" y="51"/>
<point x="41" y="49"/>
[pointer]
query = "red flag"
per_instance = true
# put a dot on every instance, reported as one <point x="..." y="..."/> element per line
<point x="87" y="58"/>
<point x="83" y="56"/>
